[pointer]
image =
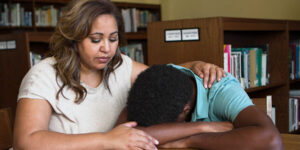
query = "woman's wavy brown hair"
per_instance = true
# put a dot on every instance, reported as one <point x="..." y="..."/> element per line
<point x="73" y="27"/>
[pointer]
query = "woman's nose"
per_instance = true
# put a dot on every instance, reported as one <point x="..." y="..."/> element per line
<point x="105" y="46"/>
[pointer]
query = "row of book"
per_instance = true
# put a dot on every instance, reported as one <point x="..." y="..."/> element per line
<point x="248" y="64"/>
<point x="294" y="110"/>
<point x="134" y="51"/>
<point x="295" y="59"/>
<point x="48" y="15"/>
<point x="134" y="18"/>
<point x="16" y="15"/>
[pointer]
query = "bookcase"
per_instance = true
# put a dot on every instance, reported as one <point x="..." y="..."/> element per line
<point x="294" y="35"/>
<point x="34" y="37"/>
<point x="214" y="32"/>
<point x="15" y="62"/>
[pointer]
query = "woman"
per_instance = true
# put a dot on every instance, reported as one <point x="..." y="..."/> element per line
<point x="72" y="99"/>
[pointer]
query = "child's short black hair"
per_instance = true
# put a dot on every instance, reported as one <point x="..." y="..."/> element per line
<point x="158" y="95"/>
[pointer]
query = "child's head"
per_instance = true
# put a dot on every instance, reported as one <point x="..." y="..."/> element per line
<point x="159" y="95"/>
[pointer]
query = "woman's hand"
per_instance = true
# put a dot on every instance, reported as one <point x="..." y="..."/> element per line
<point x="209" y="72"/>
<point x="125" y="137"/>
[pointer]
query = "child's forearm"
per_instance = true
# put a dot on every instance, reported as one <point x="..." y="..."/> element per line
<point x="168" y="132"/>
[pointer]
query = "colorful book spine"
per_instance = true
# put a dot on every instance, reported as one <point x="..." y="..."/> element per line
<point x="258" y="66"/>
<point x="227" y="58"/>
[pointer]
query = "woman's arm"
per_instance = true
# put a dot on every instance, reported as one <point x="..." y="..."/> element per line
<point x="209" y="72"/>
<point x="31" y="132"/>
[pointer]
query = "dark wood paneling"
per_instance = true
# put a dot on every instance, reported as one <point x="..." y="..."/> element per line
<point x="159" y="51"/>
<point x="241" y="24"/>
<point x="6" y="135"/>
<point x="14" y="64"/>
<point x="294" y="25"/>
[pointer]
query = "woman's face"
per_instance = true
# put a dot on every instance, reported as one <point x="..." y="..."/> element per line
<point x="98" y="49"/>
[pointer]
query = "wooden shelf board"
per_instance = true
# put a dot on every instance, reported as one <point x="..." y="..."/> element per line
<point x="241" y="24"/>
<point x="136" y="5"/>
<point x="53" y="1"/>
<point x="294" y="81"/>
<point x="294" y="25"/>
<point x="12" y="28"/>
<point x="39" y="36"/>
<point x="136" y="36"/>
<point x="22" y="1"/>
<point x="45" y="27"/>
<point x="273" y="85"/>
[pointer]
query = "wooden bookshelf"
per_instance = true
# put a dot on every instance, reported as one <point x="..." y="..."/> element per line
<point x="217" y="31"/>
<point x="14" y="64"/>
<point x="294" y="34"/>
<point x="136" y="36"/>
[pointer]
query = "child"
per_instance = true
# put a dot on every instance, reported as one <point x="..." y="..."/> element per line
<point x="164" y="98"/>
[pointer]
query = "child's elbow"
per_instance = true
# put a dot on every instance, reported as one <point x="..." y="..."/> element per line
<point x="274" y="141"/>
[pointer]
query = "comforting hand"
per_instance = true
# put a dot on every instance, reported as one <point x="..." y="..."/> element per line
<point x="218" y="126"/>
<point x="209" y="72"/>
<point x="125" y="137"/>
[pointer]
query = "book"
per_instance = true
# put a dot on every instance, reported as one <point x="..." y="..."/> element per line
<point x="258" y="66"/>
<point x="294" y="110"/>
<point x="252" y="75"/>
<point x="265" y="104"/>
<point x="134" y="51"/>
<point x="274" y="115"/>
<point x="127" y="19"/>
<point x="35" y="58"/>
<point x="269" y="105"/>
<point x="227" y="58"/>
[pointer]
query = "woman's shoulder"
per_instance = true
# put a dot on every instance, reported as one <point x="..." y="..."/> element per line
<point x="44" y="64"/>
<point x="44" y="68"/>
<point x="40" y="80"/>
<point x="126" y="63"/>
<point x="126" y="59"/>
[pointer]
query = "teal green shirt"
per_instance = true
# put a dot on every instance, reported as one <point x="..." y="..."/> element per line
<point x="222" y="102"/>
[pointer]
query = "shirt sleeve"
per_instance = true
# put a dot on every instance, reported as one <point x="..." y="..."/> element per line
<point x="39" y="83"/>
<point x="230" y="100"/>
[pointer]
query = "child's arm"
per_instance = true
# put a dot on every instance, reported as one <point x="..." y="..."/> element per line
<point x="253" y="130"/>
<point x="168" y="132"/>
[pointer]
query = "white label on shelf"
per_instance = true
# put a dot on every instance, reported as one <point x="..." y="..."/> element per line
<point x="190" y="34"/>
<point x="3" y="45"/>
<point x="11" y="44"/>
<point x="172" y="35"/>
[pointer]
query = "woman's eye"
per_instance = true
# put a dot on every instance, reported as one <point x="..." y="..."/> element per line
<point x="95" y="40"/>
<point x="113" y="40"/>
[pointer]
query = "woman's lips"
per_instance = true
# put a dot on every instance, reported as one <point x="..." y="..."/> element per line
<point x="103" y="59"/>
